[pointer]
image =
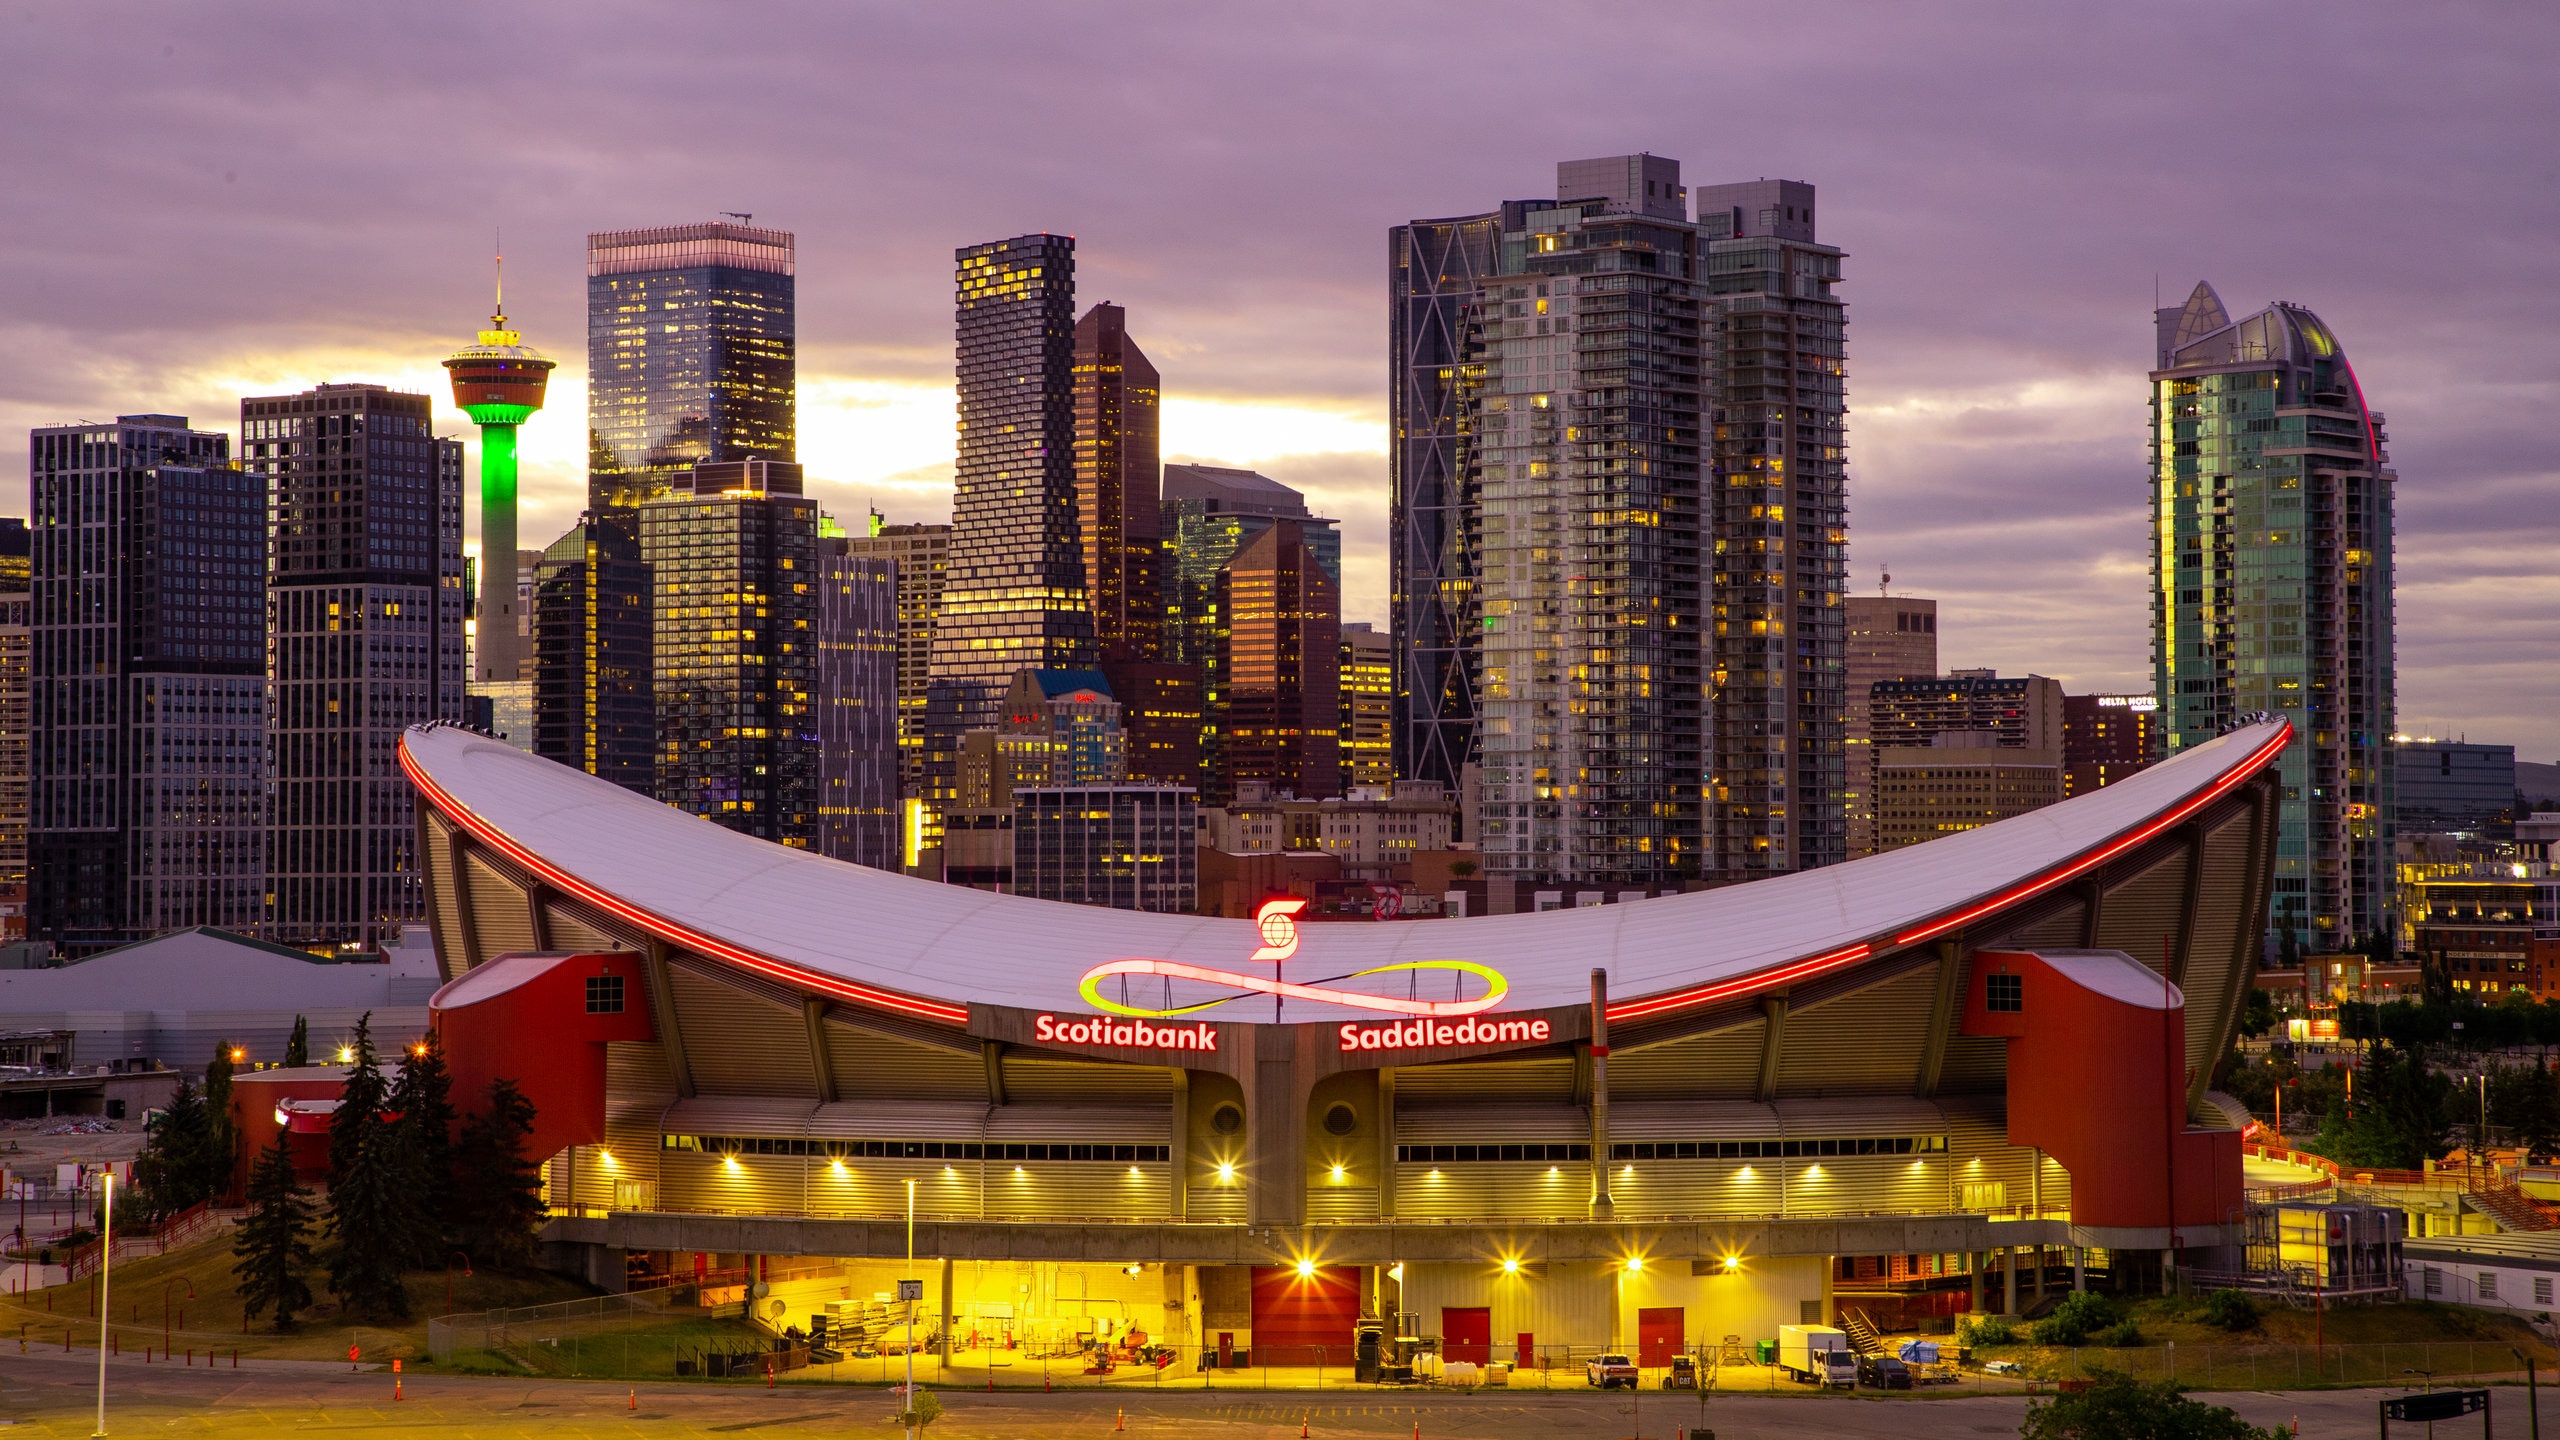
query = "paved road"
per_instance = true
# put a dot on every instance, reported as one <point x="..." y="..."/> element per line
<point x="54" y="1395"/>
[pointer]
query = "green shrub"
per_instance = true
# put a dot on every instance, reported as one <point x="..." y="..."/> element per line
<point x="2230" y="1310"/>
<point x="2121" y="1337"/>
<point x="2079" y="1316"/>
<point x="1992" y="1330"/>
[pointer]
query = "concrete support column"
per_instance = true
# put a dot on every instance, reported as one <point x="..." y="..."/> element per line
<point x="2168" y="1271"/>
<point x="1973" y="1278"/>
<point x="2039" y="1272"/>
<point x="2079" y="1269"/>
<point x="946" y="1310"/>
<point x="2009" y="1280"/>
<point x="1601" y="1209"/>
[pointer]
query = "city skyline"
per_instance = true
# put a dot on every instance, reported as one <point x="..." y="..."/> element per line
<point x="1998" y="290"/>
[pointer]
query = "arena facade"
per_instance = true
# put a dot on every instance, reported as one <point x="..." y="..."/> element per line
<point x="1945" y="1072"/>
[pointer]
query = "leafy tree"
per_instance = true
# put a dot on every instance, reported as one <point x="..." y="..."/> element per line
<point x="170" y="1172"/>
<point x="2258" y="1016"/>
<point x="2401" y="1114"/>
<point x="497" y="1189"/>
<point x="222" y="1130"/>
<point x="423" y="1099"/>
<point x="274" y="1240"/>
<point x="2523" y="1102"/>
<point x="373" y="1192"/>
<point x="297" y="1048"/>
<point x="2118" y="1407"/>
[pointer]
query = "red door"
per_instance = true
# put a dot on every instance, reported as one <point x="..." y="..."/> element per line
<point x="1658" y="1335"/>
<point x="1304" y="1319"/>
<point x="1466" y="1334"/>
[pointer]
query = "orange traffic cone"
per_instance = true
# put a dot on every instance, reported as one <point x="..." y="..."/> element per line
<point x="395" y="1388"/>
<point x="635" y="1398"/>
<point x="1123" y="1422"/>
<point x="1302" y="1425"/>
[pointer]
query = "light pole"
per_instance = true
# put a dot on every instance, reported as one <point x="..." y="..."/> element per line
<point x="106" y="1305"/>
<point x="164" y="1305"/>
<point x="911" y="1280"/>
<point x="2532" y="1395"/>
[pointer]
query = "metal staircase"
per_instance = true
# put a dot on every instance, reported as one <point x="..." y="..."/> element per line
<point x="1863" y="1335"/>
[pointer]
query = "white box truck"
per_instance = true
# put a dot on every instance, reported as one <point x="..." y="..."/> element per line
<point x="1817" y="1355"/>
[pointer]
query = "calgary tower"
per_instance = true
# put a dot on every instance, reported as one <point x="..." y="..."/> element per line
<point x="498" y="383"/>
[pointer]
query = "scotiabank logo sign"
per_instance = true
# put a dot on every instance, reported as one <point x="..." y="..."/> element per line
<point x="1127" y="1034"/>
<point x="1422" y="1034"/>
<point x="1148" y="988"/>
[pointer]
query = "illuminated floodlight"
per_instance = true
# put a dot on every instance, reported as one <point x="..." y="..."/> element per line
<point x="1306" y="1269"/>
<point x="1510" y="1265"/>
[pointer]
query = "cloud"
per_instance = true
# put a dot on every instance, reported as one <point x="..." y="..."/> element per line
<point x="210" y="200"/>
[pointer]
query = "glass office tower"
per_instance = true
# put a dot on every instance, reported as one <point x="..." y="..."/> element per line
<point x="1117" y="474"/>
<point x="364" y="639"/>
<point x="2271" y="589"/>
<point x="691" y="355"/>
<point x="147" y="683"/>
<point x="1013" y="594"/>
<point x="592" y="645"/>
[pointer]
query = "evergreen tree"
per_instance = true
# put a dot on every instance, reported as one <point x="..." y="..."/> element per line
<point x="274" y="1242"/>
<point x="373" y="1192"/>
<point x="222" y="1131"/>
<point x="423" y="1099"/>
<point x="297" y="1048"/>
<point x="498" y="1190"/>
<point x="170" y="1171"/>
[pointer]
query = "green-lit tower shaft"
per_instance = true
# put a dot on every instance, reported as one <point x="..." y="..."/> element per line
<point x="499" y="383"/>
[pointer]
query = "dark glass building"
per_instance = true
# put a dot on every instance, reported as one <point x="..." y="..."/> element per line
<point x="1014" y="594"/>
<point x="147" y="676"/>
<point x="691" y="355"/>
<point x="920" y="554"/>
<point x="1117" y="474"/>
<point x="364" y="639"/>
<point x="2271" y="589"/>
<point x="733" y="569"/>
<point x="592" y="642"/>
<point x="1211" y="511"/>
<point x="1777" y="492"/>
<point x="856" y="696"/>
<point x="1272" y="701"/>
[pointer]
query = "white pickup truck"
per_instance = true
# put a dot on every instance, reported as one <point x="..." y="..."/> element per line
<point x="1608" y="1372"/>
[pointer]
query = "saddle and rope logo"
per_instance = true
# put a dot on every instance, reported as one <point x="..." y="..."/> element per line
<point x="1277" y="925"/>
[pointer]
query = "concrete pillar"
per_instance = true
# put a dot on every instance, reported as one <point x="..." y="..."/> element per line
<point x="1973" y="1278"/>
<point x="1601" y="1209"/>
<point x="2168" y="1270"/>
<point x="946" y="1310"/>
<point x="2009" y="1280"/>
<point x="2039" y="1272"/>
<point x="2079" y="1269"/>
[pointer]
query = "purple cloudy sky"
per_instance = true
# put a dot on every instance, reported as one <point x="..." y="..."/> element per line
<point x="207" y="200"/>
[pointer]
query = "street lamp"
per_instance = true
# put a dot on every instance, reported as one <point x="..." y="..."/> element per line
<point x="106" y="1304"/>
<point x="164" y="1305"/>
<point x="2532" y="1395"/>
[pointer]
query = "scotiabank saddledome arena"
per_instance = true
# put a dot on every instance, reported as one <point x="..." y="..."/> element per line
<point x="1909" y="1084"/>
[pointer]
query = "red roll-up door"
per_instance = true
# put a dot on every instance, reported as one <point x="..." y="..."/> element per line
<point x="1466" y="1333"/>
<point x="1304" y="1319"/>
<point x="1658" y="1335"/>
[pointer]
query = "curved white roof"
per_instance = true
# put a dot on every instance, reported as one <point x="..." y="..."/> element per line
<point x="930" y="949"/>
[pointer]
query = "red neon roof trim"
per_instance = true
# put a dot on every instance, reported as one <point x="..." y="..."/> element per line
<point x="1793" y="970"/>
<point x="666" y="929"/>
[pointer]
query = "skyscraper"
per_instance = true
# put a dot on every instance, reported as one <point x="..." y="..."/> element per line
<point x="921" y="554"/>
<point x="692" y="354"/>
<point x="1890" y="637"/>
<point x="2106" y="738"/>
<point x="733" y="568"/>
<point x="1014" y="596"/>
<point x="1549" y="542"/>
<point x="17" y="646"/>
<point x="364" y="639"/>
<point x="1272" y="700"/>
<point x="1211" y="511"/>
<point x="2271" y="588"/>
<point x="147" y="690"/>
<point x="1116" y="396"/>
<point x="592" y="647"/>
<point x="1778" y="510"/>
<point x="855" y="695"/>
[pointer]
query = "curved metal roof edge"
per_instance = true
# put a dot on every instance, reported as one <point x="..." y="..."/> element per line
<point x="1930" y="925"/>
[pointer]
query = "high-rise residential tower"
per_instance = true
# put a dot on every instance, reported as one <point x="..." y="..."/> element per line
<point x="147" y="684"/>
<point x="692" y="354"/>
<point x="17" y="647"/>
<point x="1368" y="691"/>
<point x="1014" y="594"/>
<point x="1549" y="599"/>
<point x="733" y="568"/>
<point x="364" y="639"/>
<point x="1117" y="476"/>
<point x="1777" y="487"/>
<point x="592" y="643"/>
<point x="499" y="382"/>
<point x="1272" y="701"/>
<point x="2271" y="588"/>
